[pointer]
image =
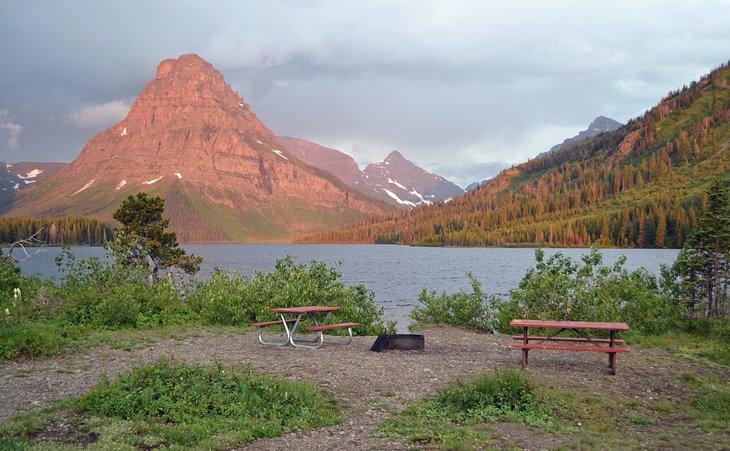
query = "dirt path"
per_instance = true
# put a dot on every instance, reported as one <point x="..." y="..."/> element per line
<point x="368" y="384"/>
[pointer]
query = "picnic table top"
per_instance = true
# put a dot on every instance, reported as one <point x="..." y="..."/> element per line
<point x="305" y="309"/>
<point x="568" y="324"/>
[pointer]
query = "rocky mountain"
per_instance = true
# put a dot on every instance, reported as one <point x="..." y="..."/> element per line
<point x="601" y="124"/>
<point x="642" y="185"/>
<point x="395" y="180"/>
<point x="405" y="183"/>
<point x="225" y="176"/>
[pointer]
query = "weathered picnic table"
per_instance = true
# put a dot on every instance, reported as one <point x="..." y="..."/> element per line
<point x="291" y="317"/>
<point x="583" y="340"/>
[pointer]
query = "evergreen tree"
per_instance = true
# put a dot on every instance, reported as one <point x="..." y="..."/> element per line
<point x="143" y="237"/>
<point x="704" y="263"/>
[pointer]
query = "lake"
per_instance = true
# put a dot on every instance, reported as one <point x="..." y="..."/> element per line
<point x="396" y="274"/>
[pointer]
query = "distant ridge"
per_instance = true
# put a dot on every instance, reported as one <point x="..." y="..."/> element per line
<point x="641" y="185"/>
<point x="395" y="180"/>
<point x="601" y="124"/>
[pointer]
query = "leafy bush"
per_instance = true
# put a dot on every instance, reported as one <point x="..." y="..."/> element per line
<point x="228" y="298"/>
<point x="193" y="405"/>
<point x="31" y="339"/>
<point x="223" y="299"/>
<point x="110" y="295"/>
<point x="560" y="289"/>
<point x="457" y="309"/>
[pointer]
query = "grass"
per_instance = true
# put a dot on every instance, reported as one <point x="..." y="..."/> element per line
<point x="468" y="415"/>
<point x="454" y="418"/>
<point x="179" y="406"/>
<point x="707" y="341"/>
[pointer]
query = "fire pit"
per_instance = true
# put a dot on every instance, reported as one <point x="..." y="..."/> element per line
<point x="399" y="342"/>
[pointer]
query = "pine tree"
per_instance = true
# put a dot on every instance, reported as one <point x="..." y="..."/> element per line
<point x="143" y="236"/>
<point x="704" y="263"/>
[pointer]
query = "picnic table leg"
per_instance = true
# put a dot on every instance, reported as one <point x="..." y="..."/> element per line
<point x="524" y="350"/>
<point x="612" y="355"/>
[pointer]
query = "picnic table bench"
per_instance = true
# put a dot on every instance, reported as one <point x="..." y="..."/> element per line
<point x="583" y="342"/>
<point x="303" y="314"/>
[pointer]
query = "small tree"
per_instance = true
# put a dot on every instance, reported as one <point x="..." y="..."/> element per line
<point x="704" y="263"/>
<point x="142" y="236"/>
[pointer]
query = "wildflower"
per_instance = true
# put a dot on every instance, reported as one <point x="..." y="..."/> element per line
<point x="7" y="312"/>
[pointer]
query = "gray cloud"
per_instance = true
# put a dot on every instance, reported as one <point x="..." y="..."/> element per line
<point x="457" y="86"/>
<point x="103" y="115"/>
<point x="12" y="130"/>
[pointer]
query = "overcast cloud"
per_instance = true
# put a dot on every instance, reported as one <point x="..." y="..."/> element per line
<point x="462" y="88"/>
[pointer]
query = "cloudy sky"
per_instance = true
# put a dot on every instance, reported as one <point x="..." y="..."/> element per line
<point x="461" y="88"/>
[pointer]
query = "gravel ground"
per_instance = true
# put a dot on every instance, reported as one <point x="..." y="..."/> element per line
<point x="363" y="381"/>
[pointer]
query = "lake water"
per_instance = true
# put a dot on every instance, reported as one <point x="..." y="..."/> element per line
<point x="396" y="274"/>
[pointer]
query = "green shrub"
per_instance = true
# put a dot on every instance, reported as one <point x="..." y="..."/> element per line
<point x="193" y="405"/>
<point x="31" y="339"/>
<point x="457" y="309"/>
<point x="223" y="299"/>
<point x="228" y="298"/>
<point x="560" y="289"/>
<point x="446" y="419"/>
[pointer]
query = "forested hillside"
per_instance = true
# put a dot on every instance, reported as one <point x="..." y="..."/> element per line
<point x="639" y="186"/>
<point x="63" y="230"/>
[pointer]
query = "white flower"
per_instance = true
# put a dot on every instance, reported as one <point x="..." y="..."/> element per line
<point x="7" y="312"/>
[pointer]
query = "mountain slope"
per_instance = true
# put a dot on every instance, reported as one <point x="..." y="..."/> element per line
<point x="641" y="185"/>
<point x="395" y="180"/>
<point x="333" y="161"/>
<point x="224" y="175"/>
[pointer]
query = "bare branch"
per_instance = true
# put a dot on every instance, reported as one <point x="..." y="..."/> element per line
<point x="31" y="241"/>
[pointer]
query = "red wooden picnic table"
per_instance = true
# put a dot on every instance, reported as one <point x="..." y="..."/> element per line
<point x="578" y="327"/>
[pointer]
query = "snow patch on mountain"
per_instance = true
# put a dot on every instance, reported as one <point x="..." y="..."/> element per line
<point x="395" y="182"/>
<point x="280" y="153"/>
<point x="88" y="184"/>
<point x="150" y="182"/>
<point x="398" y="199"/>
<point x="31" y="174"/>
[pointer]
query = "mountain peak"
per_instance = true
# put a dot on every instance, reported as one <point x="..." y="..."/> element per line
<point x="395" y="155"/>
<point x="604" y="124"/>
<point x="600" y="124"/>
<point x="187" y="66"/>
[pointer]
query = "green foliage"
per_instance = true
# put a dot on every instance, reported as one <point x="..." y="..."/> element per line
<point x="558" y="288"/>
<point x="457" y="309"/>
<point x="223" y="298"/>
<point x="447" y="419"/>
<point x="704" y="263"/>
<point x="109" y="294"/>
<point x="31" y="339"/>
<point x="197" y="406"/>
<point x="9" y="276"/>
<point x="228" y="298"/>
<point x="143" y="235"/>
